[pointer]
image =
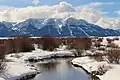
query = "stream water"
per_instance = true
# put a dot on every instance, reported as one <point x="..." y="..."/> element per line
<point x="60" y="69"/>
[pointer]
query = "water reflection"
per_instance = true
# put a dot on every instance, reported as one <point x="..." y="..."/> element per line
<point x="59" y="69"/>
<point x="49" y="66"/>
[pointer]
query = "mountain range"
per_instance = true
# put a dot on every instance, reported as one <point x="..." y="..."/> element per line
<point x="69" y="27"/>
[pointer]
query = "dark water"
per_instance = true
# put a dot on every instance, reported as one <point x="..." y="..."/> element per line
<point x="60" y="69"/>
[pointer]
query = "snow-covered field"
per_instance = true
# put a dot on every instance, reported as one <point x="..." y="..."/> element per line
<point x="17" y="66"/>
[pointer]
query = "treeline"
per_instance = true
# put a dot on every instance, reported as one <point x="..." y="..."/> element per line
<point x="16" y="45"/>
<point x="50" y="43"/>
<point x="26" y="44"/>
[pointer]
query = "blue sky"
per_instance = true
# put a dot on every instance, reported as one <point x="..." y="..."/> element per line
<point x="23" y="3"/>
<point x="106" y="8"/>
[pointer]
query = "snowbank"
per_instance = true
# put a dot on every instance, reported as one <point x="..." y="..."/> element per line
<point x="38" y="54"/>
<point x="112" y="74"/>
<point x="14" y="70"/>
<point x="90" y="65"/>
<point x="17" y="65"/>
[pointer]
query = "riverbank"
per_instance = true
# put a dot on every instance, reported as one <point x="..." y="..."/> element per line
<point x="19" y="64"/>
<point x="103" y="70"/>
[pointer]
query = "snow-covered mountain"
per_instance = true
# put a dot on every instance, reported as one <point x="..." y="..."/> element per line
<point x="5" y="30"/>
<point x="69" y="27"/>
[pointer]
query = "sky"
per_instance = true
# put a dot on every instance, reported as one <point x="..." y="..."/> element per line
<point x="25" y="3"/>
<point x="101" y="12"/>
<point x="22" y="3"/>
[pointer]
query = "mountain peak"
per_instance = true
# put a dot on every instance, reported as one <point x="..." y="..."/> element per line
<point x="57" y="27"/>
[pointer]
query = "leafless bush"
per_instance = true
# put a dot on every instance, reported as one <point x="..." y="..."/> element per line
<point x="116" y="38"/>
<point x="113" y="55"/>
<point x="97" y="42"/>
<point x="97" y="58"/>
<point x="96" y="55"/>
<point x="109" y="40"/>
<point x="2" y="55"/>
<point x="2" y="66"/>
<point x="19" y="44"/>
<point x="112" y="45"/>
<point x="78" y="52"/>
<point x="79" y="44"/>
<point x="26" y="45"/>
<point x="102" y="69"/>
<point x="49" y="43"/>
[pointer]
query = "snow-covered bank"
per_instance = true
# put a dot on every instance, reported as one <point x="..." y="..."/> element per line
<point x="14" y="70"/>
<point x="89" y="64"/>
<point x="16" y="64"/>
<point x="39" y="55"/>
<point x="111" y="71"/>
<point x="112" y="74"/>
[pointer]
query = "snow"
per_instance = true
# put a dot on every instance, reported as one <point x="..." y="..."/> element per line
<point x="113" y="74"/>
<point x="38" y="54"/>
<point x="83" y="31"/>
<point x="62" y="47"/>
<point x="104" y="42"/>
<point x="70" y="31"/>
<point x="1" y="78"/>
<point x="117" y="42"/>
<point x="16" y="69"/>
<point x="113" y="70"/>
<point x="89" y="64"/>
<point x="17" y="65"/>
<point x="46" y="54"/>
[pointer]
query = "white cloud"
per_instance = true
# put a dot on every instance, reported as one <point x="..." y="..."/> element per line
<point x="117" y="12"/>
<point x="64" y="7"/>
<point x="61" y="10"/>
<point x="95" y="4"/>
<point x="35" y="2"/>
<point x="113" y="23"/>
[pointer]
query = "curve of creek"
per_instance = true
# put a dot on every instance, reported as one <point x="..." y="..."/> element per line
<point x="60" y="69"/>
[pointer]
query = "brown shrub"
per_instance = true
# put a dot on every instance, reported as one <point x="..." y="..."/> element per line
<point x="100" y="40"/>
<point x="49" y="43"/>
<point x="116" y="38"/>
<point x="97" y="57"/>
<point x="2" y="55"/>
<point x="109" y="40"/>
<point x="83" y="43"/>
<point x="113" y="55"/>
<point x="24" y="44"/>
<point x="79" y="44"/>
<point x="18" y="44"/>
